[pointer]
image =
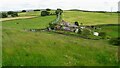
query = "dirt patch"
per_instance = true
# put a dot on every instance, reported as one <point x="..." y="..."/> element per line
<point x="12" y="18"/>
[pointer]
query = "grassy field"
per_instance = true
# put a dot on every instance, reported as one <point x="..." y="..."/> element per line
<point x="111" y="31"/>
<point x="38" y="22"/>
<point x="22" y="48"/>
<point x="90" y="18"/>
<point x="32" y="13"/>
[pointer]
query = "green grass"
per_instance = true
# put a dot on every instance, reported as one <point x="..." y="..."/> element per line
<point x="51" y="49"/>
<point x="111" y="31"/>
<point x="90" y="18"/>
<point x="43" y="48"/>
<point x="32" y="13"/>
<point x="38" y="22"/>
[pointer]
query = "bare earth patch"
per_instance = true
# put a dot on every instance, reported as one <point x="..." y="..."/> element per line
<point x="12" y="18"/>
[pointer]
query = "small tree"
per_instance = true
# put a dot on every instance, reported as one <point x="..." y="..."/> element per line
<point x="48" y="9"/>
<point x="59" y="11"/>
<point x="76" y="23"/>
<point x="23" y="10"/>
<point x="4" y="15"/>
<point x="10" y="12"/>
<point x="45" y="13"/>
<point x="15" y="14"/>
<point x="36" y="10"/>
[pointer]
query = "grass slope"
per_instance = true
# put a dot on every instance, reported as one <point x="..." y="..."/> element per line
<point x="38" y="22"/>
<point x="41" y="48"/>
<point x="21" y="48"/>
<point x="90" y="18"/>
<point x="111" y="31"/>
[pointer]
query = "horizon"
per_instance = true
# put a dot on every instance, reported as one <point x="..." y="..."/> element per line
<point x="99" y="5"/>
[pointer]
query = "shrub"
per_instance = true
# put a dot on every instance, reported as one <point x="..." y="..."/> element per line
<point x="15" y="14"/>
<point x="10" y="12"/>
<point x="23" y="10"/>
<point x="36" y="10"/>
<point x="76" y="23"/>
<point x="48" y="9"/>
<point x="4" y="15"/>
<point x="52" y="26"/>
<point x="59" y="11"/>
<point x="115" y="41"/>
<point x="103" y="35"/>
<point x="45" y="13"/>
<point x="86" y="32"/>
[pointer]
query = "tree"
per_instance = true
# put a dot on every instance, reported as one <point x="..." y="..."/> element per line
<point x="15" y="14"/>
<point x="59" y="11"/>
<point x="10" y="12"/>
<point x="45" y="13"/>
<point x="23" y="10"/>
<point x="36" y="10"/>
<point x="48" y="9"/>
<point x="76" y="23"/>
<point x="4" y="15"/>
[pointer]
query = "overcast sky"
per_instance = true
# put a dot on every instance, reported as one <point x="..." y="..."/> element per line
<point x="93" y="5"/>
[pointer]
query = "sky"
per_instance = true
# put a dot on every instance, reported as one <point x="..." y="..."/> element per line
<point x="91" y="5"/>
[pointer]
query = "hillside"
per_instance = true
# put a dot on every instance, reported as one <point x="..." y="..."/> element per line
<point x="23" y="48"/>
<point x="90" y="18"/>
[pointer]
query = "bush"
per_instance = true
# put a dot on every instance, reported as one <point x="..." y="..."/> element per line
<point x="103" y="35"/>
<point x="4" y="15"/>
<point x="36" y="10"/>
<point x="10" y="12"/>
<point x="115" y="41"/>
<point x="86" y="32"/>
<point x="45" y="13"/>
<point x="59" y="11"/>
<point x="52" y="26"/>
<point x="15" y="14"/>
<point x="48" y="9"/>
<point x="76" y="23"/>
<point x="23" y="10"/>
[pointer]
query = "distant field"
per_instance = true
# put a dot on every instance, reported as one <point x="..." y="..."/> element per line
<point x="13" y="18"/>
<point x="32" y="13"/>
<point x="23" y="15"/>
<point x="22" y="48"/>
<point x="90" y="18"/>
<point x="38" y="22"/>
